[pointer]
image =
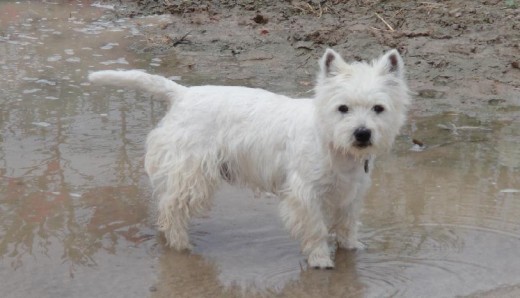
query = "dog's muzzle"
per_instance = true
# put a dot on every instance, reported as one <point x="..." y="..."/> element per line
<point x="363" y="136"/>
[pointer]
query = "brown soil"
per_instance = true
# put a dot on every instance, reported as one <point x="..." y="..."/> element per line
<point x="461" y="56"/>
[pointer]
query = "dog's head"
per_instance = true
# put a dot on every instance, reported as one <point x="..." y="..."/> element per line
<point x="361" y="106"/>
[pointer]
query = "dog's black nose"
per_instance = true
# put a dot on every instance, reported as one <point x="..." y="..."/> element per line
<point x="363" y="134"/>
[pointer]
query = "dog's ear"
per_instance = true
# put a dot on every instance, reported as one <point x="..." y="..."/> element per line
<point x="391" y="63"/>
<point x="331" y="64"/>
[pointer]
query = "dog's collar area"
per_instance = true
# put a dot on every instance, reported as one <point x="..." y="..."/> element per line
<point x="366" y="166"/>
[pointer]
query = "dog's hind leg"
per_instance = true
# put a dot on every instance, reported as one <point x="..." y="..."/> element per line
<point x="184" y="190"/>
<point x="175" y="210"/>
<point x="306" y="223"/>
<point x="173" y="220"/>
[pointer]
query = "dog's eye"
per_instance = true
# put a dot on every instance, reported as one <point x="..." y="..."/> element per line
<point x="378" y="109"/>
<point x="343" y="109"/>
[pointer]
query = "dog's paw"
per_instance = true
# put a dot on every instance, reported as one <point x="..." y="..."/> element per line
<point x="318" y="261"/>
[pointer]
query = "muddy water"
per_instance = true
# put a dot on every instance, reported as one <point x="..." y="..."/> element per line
<point x="76" y="214"/>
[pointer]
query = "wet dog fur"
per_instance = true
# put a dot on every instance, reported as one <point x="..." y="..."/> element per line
<point x="315" y="154"/>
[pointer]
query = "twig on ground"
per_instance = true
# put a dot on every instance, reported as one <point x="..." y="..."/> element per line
<point x="386" y="23"/>
<point x="304" y="62"/>
<point x="306" y="8"/>
<point x="182" y="39"/>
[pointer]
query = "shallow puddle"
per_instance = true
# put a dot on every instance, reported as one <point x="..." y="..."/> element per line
<point x="76" y="217"/>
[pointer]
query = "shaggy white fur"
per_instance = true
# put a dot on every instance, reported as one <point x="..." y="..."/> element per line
<point x="315" y="154"/>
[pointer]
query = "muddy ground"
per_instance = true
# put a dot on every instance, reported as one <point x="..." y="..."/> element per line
<point x="461" y="56"/>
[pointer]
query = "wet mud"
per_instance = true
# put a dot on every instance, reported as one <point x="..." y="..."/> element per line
<point x="442" y="218"/>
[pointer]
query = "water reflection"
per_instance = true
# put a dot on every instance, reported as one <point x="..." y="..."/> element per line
<point x="72" y="192"/>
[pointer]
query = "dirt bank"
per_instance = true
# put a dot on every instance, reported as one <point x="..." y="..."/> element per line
<point x="461" y="56"/>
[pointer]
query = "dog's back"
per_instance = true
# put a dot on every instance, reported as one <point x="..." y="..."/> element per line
<point x="252" y="132"/>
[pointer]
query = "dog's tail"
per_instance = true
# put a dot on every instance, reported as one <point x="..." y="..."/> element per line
<point x="158" y="86"/>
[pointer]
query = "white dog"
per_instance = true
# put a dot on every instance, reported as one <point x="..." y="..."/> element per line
<point x="314" y="153"/>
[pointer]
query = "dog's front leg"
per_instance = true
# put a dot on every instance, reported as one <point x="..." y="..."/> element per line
<point x="306" y="223"/>
<point x="348" y="224"/>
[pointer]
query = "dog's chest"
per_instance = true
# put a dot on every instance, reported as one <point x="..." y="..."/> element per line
<point x="346" y="180"/>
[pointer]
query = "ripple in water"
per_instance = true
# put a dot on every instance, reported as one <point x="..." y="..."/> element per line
<point x="412" y="261"/>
